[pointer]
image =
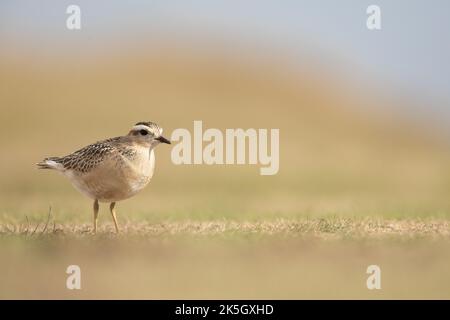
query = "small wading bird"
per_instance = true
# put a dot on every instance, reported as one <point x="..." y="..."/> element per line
<point x="113" y="169"/>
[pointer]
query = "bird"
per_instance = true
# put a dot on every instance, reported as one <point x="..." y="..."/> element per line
<point x="113" y="169"/>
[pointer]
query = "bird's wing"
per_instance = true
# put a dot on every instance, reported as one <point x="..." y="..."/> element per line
<point x="89" y="157"/>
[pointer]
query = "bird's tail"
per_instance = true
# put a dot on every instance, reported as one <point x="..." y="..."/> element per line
<point x="50" y="163"/>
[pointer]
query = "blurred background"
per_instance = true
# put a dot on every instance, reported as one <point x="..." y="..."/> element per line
<point x="364" y="116"/>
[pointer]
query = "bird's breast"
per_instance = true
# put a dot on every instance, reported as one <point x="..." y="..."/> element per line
<point x="139" y="172"/>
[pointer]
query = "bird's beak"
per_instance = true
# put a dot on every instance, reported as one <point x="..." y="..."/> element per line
<point x="163" y="140"/>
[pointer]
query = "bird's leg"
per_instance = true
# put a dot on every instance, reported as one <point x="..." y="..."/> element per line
<point x="113" y="213"/>
<point x="95" y="215"/>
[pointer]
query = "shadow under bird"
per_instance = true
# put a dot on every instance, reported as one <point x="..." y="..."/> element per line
<point x="113" y="169"/>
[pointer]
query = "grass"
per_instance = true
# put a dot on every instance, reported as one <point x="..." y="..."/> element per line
<point x="319" y="258"/>
<point x="270" y="259"/>
<point x="325" y="228"/>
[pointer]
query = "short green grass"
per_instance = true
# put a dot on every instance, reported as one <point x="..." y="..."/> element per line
<point x="320" y="228"/>
<point x="299" y="258"/>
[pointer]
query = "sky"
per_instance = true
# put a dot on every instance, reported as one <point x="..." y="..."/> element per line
<point x="408" y="56"/>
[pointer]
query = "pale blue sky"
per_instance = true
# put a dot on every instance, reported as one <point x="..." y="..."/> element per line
<point x="409" y="56"/>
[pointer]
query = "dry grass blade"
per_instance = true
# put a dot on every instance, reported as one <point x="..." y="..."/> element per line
<point x="28" y="225"/>
<point x="34" y="231"/>
<point x="48" y="220"/>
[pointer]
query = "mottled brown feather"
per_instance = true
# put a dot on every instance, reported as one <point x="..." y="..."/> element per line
<point x="89" y="157"/>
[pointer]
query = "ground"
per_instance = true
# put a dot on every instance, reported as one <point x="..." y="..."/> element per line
<point x="273" y="259"/>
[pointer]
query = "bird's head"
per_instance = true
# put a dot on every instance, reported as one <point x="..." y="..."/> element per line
<point x="148" y="133"/>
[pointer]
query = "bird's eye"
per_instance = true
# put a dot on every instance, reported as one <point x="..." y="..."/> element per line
<point x="143" y="132"/>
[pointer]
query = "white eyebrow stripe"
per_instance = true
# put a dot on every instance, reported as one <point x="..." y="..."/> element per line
<point x="140" y="127"/>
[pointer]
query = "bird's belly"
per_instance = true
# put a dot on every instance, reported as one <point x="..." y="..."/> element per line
<point x="137" y="184"/>
<point x="111" y="187"/>
<point x="112" y="182"/>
